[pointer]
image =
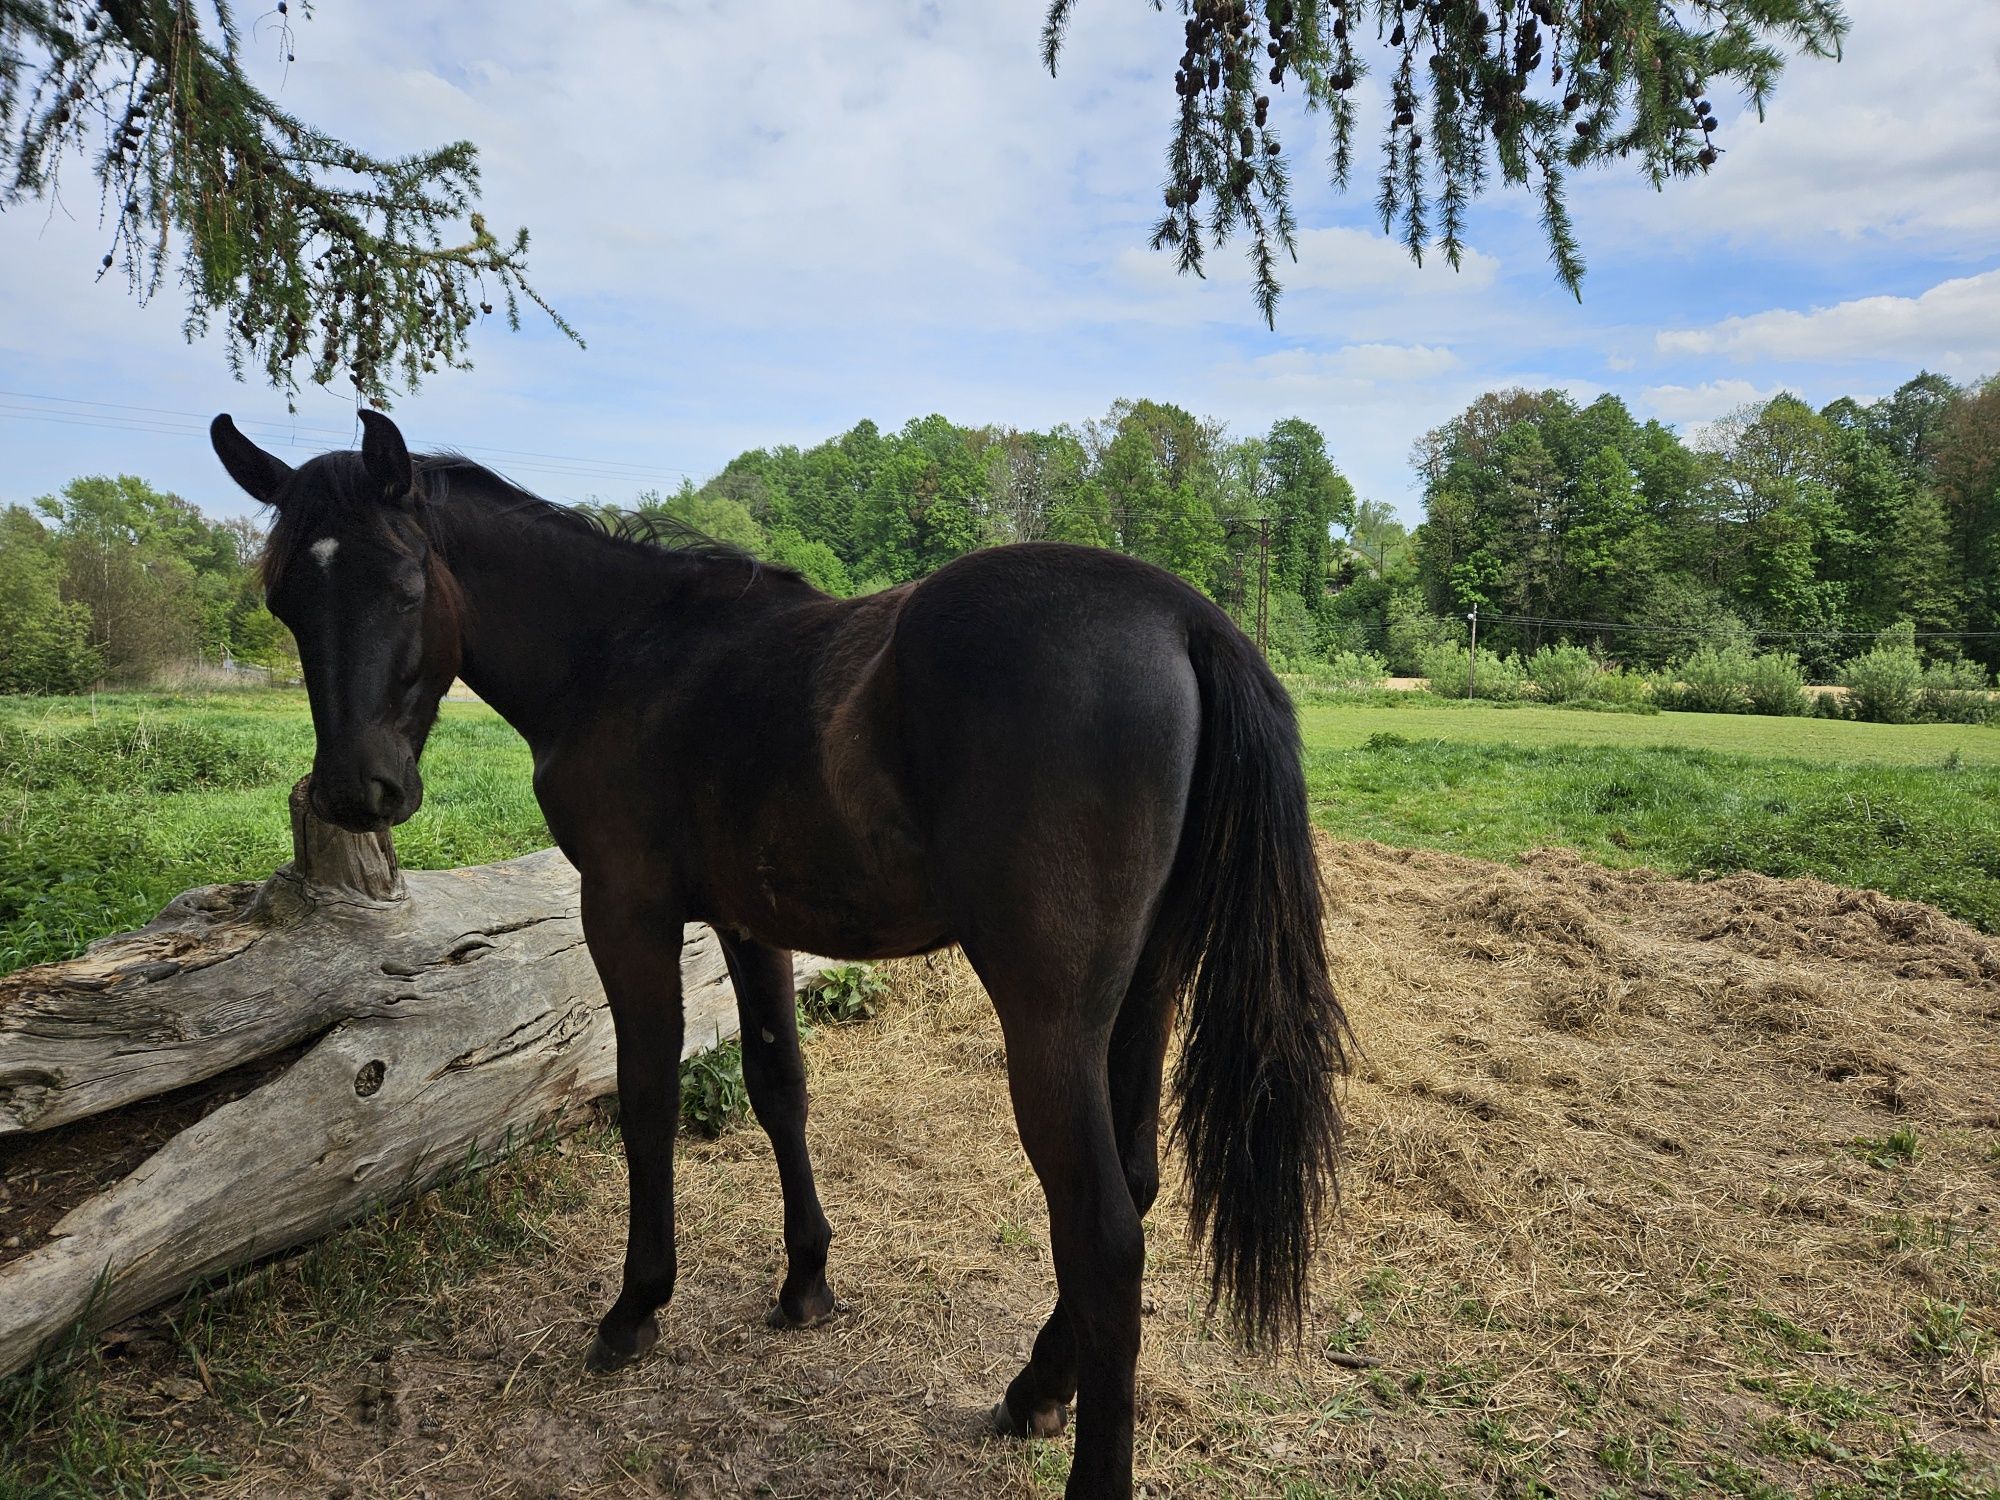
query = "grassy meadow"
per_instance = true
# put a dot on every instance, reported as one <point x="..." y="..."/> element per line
<point x="1796" y="1297"/>
<point x="110" y="805"/>
<point x="1912" y="810"/>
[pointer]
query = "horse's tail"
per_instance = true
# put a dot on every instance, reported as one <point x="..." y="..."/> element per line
<point x="1265" y="1038"/>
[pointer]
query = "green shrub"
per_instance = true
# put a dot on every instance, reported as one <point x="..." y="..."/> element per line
<point x="1955" y="692"/>
<point x="1711" y="680"/>
<point x="1443" y="668"/>
<point x="1413" y="630"/>
<point x="843" y="993"/>
<point x="1501" y="678"/>
<point x="1354" y="669"/>
<point x="1563" y="674"/>
<point x="1885" y="685"/>
<point x="1447" y="668"/>
<point x="713" y="1094"/>
<point x="1623" y="689"/>
<point x="1776" y="684"/>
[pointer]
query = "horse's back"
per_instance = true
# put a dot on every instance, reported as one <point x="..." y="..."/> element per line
<point x="1043" y="602"/>
<point x="1050" y="718"/>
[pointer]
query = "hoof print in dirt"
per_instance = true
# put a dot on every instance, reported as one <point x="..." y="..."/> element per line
<point x="375" y="1391"/>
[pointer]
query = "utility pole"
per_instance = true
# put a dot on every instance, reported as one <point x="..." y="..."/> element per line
<point x="1263" y="581"/>
<point x="1472" y="666"/>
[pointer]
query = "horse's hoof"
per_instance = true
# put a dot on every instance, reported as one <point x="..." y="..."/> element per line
<point x="815" y="1312"/>
<point x="1045" y="1421"/>
<point x="604" y="1356"/>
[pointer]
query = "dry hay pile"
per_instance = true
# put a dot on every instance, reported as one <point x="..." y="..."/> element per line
<point x="1652" y="1188"/>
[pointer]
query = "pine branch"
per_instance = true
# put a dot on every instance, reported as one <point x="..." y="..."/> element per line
<point x="306" y="251"/>
<point x="1535" y="88"/>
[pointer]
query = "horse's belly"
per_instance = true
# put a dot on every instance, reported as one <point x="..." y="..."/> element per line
<point x="851" y="936"/>
<point x="844" y="908"/>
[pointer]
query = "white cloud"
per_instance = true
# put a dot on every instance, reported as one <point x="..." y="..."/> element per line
<point x="1343" y="279"/>
<point x="1354" y="367"/>
<point x="1894" y="144"/>
<point x="1694" y="406"/>
<point x="894" y="209"/>
<point x="1953" y="327"/>
<point x="1355" y="260"/>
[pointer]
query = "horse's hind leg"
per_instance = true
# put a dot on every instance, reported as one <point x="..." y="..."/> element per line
<point x="775" y="1074"/>
<point x="1063" y="1108"/>
<point x="1036" y="1404"/>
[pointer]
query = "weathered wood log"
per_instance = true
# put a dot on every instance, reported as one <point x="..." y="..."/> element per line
<point x="442" y="1014"/>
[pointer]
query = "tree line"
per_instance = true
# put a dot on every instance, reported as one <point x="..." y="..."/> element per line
<point x="1801" y="529"/>
<point x="869" y="508"/>
<point x="1810" y="529"/>
<point x="114" y="581"/>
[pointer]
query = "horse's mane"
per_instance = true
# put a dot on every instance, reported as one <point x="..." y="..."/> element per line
<point x="454" y="491"/>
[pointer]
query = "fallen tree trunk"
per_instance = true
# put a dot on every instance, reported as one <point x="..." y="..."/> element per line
<point x="442" y="1014"/>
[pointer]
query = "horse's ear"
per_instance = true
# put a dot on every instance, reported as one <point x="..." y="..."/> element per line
<point x="387" y="458"/>
<point x="261" y="475"/>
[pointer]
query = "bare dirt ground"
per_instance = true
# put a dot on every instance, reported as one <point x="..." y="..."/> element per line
<point x="1652" y="1188"/>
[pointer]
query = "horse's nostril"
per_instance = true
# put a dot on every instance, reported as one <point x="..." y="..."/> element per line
<point x="382" y="796"/>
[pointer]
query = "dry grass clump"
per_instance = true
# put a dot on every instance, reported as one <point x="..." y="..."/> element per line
<point x="1652" y="1187"/>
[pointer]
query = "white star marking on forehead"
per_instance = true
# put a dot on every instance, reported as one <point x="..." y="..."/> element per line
<point x="323" y="550"/>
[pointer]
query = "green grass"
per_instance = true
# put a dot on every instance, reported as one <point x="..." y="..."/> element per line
<point x="64" y="1432"/>
<point x="1898" y="1148"/>
<point x="1331" y="722"/>
<point x="110" y="806"/>
<point x="1910" y="810"/>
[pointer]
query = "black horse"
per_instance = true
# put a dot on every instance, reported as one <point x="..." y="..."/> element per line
<point x="1065" y="760"/>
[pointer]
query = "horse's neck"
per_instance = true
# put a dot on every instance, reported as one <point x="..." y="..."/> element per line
<point x="540" y="603"/>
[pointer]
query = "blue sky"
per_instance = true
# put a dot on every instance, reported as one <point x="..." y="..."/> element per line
<point x="772" y="221"/>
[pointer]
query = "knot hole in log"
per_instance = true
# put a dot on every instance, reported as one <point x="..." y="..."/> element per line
<point x="332" y="859"/>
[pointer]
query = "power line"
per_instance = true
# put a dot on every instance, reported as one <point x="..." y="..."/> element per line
<point x="1263" y="581"/>
<point x="291" y="427"/>
<point x="1760" y="634"/>
<point x="171" y="422"/>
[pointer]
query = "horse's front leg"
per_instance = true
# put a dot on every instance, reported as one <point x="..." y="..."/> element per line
<point x="635" y="941"/>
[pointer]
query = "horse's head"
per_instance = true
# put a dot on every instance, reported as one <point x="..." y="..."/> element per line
<point x="351" y="570"/>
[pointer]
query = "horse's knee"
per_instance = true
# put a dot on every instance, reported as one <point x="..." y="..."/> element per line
<point x="774" y="1074"/>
